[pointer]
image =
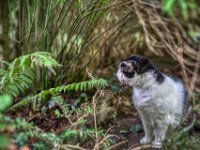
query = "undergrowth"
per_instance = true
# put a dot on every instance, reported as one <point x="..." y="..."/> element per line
<point x="20" y="74"/>
<point x="24" y="131"/>
<point x="45" y="95"/>
<point x="40" y="111"/>
<point x="63" y="117"/>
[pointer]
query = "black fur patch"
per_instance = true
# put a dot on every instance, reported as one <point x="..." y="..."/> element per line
<point x="129" y="74"/>
<point x="187" y="113"/>
<point x="159" y="77"/>
<point x="142" y="65"/>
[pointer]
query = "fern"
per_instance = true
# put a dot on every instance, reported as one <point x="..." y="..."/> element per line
<point x="21" y="72"/>
<point x="6" y="101"/>
<point x="44" y="95"/>
<point x="13" y="83"/>
<point x="26" y="130"/>
<point x="25" y="102"/>
<point x="41" y="59"/>
<point x="81" y="86"/>
<point x="2" y="72"/>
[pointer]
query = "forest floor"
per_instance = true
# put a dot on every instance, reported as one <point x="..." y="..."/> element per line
<point x="112" y="114"/>
<point x="125" y="125"/>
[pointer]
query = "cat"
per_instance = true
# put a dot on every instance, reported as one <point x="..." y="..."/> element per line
<point x="158" y="98"/>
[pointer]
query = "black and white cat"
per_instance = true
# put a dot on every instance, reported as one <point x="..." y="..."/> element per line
<point x="158" y="98"/>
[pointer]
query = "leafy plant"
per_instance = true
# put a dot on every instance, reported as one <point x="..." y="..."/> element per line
<point x="46" y="94"/>
<point x="81" y="86"/>
<point x="184" y="5"/>
<point x="182" y="141"/>
<point x="6" y="101"/>
<point x="20" y="74"/>
<point x="26" y="131"/>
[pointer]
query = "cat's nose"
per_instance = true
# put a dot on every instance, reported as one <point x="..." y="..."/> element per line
<point x="122" y="65"/>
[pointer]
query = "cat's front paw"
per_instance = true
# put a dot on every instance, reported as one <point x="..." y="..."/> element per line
<point x="145" y="140"/>
<point x="156" y="144"/>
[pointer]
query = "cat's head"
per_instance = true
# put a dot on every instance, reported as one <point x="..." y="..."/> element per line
<point x="138" y="70"/>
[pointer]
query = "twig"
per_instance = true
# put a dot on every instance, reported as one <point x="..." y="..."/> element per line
<point x="72" y="147"/>
<point x="116" y="145"/>
<point x="140" y="147"/>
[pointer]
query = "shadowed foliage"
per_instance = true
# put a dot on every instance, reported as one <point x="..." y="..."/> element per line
<point x="58" y="60"/>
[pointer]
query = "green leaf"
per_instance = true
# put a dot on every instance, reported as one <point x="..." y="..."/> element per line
<point x="123" y="131"/>
<point x="6" y="101"/>
<point x="3" y="72"/>
<point x="4" y="141"/>
<point x="168" y="6"/>
<point x="21" y="72"/>
<point x="184" y="10"/>
<point x="135" y="128"/>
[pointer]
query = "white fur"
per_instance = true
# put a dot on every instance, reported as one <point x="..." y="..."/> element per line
<point x="160" y="105"/>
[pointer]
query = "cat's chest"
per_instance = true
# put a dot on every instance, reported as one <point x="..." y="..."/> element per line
<point x="142" y="97"/>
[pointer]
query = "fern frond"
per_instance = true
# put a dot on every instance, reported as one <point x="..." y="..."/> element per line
<point x="81" y="86"/>
<point x="15" y="82"/>
<point x="44" y="59"/>
<point x="21" y="72"/>
<point x="44" y="95"/>
<point x="3" y="72"/>
<point x="22" y="103"/>
<point x="41" y="59"/>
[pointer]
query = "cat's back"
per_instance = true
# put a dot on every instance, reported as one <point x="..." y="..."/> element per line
<point x="173" y="95"/>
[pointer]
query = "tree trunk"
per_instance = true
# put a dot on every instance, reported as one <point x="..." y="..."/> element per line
<point x="4" y="41"/>
<point x="20" y="34"/>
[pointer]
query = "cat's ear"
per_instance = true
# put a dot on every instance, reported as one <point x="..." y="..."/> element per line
<point x="144" y="66"/>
